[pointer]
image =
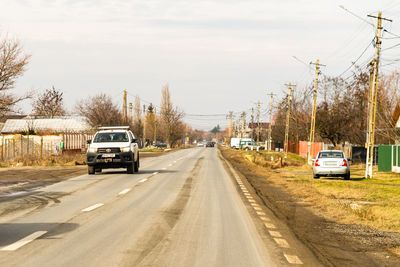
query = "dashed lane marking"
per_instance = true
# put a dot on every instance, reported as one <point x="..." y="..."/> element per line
<point x="264" y="218"/>
<point x="275" y="233"/>
<point x="95" y="206"/>
<point x="155" y="173"/>
<point x="293" y="259"/>
<point x="257" y="208"/>
<point x="169" y="165"/>
<point x="164" y="168"/>
<point x="254" y="204"/>
<point x="143" y="180"/>
<point x="23" y="241"/>
<point x="261" y="213"/>
<point x="270" y="225"/>
<point x="123" y="192"/>
<point x="282" y="242"/>
<point x="252" y="200"/>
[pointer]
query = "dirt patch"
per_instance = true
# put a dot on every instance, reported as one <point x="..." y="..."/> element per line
<point x="333" y="243"/>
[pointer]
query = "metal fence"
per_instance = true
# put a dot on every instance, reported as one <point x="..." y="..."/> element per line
<point x="19" y="146"/>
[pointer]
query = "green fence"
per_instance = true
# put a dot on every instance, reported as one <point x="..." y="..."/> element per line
<point x="389" y="158"/>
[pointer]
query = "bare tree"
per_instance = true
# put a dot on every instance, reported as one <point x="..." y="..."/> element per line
<point x="13" y="63"/>
<point x="100" y="110"/>
<point x="171" y="117"/>
<point x="49" y="103"/>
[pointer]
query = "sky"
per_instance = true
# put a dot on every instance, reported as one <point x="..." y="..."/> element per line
<point x="216" y="56"/>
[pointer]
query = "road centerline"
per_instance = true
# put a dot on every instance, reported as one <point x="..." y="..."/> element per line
<point x="23" y="241"/>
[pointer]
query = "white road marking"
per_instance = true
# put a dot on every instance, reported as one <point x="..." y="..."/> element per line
<point x="264" y="218"/>
<point x="252" y="200"/>
<point x="169" y="165"/>
<point x="155" y="173"/>
<point x="23" y="241"/>
<point x="95" y="206"/>
<point x="174" y="161"/>
<point x="270" y="225"/>
<point x="246" y="194"/>
<point x="293" y="259"/>
<point x="282" y="242"/>
<point x="257" y="208"/>
<point x="260" y="213"/>
<point x="164" y="168"/>
<point x="244" y="190"/>
<point x="143" y="180"/>
<point x="254" y="204"/>
<point x="275" y="233"/>
<point x="123" y="192"/>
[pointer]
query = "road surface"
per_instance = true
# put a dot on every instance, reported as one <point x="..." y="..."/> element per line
<point x="182" y="209"/>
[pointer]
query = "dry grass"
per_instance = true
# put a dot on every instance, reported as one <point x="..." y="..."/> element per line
<point x="372" y="202"/>
<point x="61" y="160"/>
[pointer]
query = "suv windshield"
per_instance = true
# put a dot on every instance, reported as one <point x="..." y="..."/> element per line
<point x="110" y="137"/>
<point x="331" y="155"/>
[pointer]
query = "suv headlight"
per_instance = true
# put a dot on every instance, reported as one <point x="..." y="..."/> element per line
<point x="92" y="149"/>
<point x="126" y="149"/>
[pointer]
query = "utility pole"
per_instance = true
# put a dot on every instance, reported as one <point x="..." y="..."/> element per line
<point x="155" y="126"/>
<point x="258" y="122"/>
<point x="289" y="98"/>
<point x="243" y="124"/>
<point x="373" y="94"/>
<point x="252" y="124"/>
<point x="230" y="124"/>
<point x="269" y="146"/>
<point x="313" y="114"/>
<point x="124" y="109"/>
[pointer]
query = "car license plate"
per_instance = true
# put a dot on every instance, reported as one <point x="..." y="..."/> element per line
<point x="330" y="163"/>
<point x="108" y="155"/>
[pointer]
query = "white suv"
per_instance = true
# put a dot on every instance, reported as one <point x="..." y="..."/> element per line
<point x="113" y="147"/>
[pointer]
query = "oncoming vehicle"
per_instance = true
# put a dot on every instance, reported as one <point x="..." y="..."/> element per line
<point x="113" y="147"/>
<point x="331" y="163"/>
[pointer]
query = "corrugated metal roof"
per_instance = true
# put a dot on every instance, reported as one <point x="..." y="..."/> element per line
<point x="56" y="125"/>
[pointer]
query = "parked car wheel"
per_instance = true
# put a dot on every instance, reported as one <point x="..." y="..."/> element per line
<point x="91" y="170"/>
<point x="347" y="176"/>
<point x="97" y="170"/>
<point x="315" y="176"/>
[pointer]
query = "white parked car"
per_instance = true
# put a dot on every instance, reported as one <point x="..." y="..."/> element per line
<point x="331" y="163"/>
<point x="113" y="147"/>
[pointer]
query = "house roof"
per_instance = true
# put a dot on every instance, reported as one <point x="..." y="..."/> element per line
<point x="65" y="124"/>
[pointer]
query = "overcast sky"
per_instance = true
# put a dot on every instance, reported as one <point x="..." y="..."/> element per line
<point x="216" y="56"/>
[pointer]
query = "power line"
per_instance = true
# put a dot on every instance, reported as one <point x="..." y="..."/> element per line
<point x="353" y="63"/>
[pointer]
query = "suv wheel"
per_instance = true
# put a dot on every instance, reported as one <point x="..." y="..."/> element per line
<point x="129" y="169"/>
<point x="136" y="165"/>
<point x="91" y="170"/>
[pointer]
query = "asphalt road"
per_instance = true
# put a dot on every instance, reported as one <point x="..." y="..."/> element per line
<point x="182" y="209"/>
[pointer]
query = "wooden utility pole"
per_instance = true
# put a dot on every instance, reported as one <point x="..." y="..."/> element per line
<point x="289" y="98"/>
<point x="258" y="122"/>
<point x="313" y="114"/>
<point x="125" y="109"/>
<point x="270" y="124"/>
<point x="243" y="124"/>
<point x="373" y="94"/>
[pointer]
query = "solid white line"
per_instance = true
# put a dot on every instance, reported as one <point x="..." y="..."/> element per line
<point x="282" y="242"/>
<point x="293" y="259"/>
<point x="23" y="241"/>
<point x="95" y="206"/>
<point x="275" y="233"/>
<point x="143" y="180"/>
<point x="123" y="192"/>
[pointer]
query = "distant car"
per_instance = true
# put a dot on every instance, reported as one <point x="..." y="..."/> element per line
<point x="200" y="144"/>
<point x="210" y="144"/>
<point x="331" y="163"/>
<point x="160" y="145"/>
